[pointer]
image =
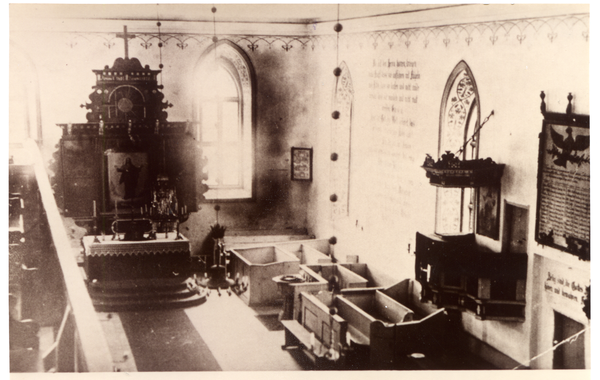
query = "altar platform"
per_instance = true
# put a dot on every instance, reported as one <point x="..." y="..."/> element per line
<point x="144" y="274"/>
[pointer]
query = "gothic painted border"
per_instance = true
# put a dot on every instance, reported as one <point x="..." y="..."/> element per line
<point x="451" y="35"/>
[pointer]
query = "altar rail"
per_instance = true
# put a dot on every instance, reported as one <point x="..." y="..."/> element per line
<point x="80" y="344"/>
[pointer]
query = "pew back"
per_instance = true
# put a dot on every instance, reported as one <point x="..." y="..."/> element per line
<point x="346" y="278"/>
<point x="378" y="305"/>
<point x="313" y="283"/>
<point x="327" y="328"/>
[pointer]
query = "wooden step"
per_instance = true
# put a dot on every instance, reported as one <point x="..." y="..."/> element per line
<point x="157" y="293"/>
<point x="134" y="304"/>
<point x="143" y="283"/>
<point x="144" y="294"/>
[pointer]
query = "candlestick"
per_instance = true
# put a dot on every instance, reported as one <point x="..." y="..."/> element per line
<point x="94" y="207"/>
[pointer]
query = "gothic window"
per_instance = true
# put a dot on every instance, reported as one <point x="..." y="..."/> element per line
<point x="459" y="118"/>
<point x="224" y="121"/>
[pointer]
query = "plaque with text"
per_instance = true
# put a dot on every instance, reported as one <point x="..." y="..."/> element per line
<point x="301" y="164"/>
<point x="563" y="210"/>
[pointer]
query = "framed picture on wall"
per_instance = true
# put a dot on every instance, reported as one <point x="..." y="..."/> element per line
<point x="488" y="211"/>
<point x="127" y="177"/>
<point x="301" y="164"/>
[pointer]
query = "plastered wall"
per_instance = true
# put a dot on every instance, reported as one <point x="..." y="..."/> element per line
<point x="399" y="78"/>
<point x="398" y="67"/>
<point x="283" y="104"/>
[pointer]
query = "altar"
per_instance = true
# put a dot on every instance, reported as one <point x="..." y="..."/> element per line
<point x="116" y="260"/>
<point x="131" y="178"/>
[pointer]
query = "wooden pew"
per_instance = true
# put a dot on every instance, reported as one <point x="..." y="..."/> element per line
<point x="382" y="332"/>
<point x="317" y="333"/>
<point x="256" y="268"/>
<point x="346" y="278"/>
<point x="314" y="251"/>
<point x="313" y="283"/>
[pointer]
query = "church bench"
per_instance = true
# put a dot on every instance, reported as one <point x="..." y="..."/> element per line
<point x="256" y="267"/>
<point x="313" y="283"/>
<point x="378" y="305"/>
<point x="297" y="337"/>
<point x="313" y="251"/>
<point x="346" y="278"/>
<point x="316" y="318"/>
<point x="380" y="331"/>
<point x="310" y="255"/>
<point x="317" y="332"/>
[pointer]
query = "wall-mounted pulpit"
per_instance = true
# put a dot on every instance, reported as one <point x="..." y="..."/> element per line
<point x="456" y="274"/>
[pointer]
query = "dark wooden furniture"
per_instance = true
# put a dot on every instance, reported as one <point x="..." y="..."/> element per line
<point x="456" y="274"/>
<point x="130" y="275"/>
<point x="116" y="260"/>
<point x="127" y="121"/>
<point x="130" y="177"/>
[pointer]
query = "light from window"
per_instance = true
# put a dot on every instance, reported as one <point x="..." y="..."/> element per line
<point x="225" y="128"/>
<point x="459" y="119"/>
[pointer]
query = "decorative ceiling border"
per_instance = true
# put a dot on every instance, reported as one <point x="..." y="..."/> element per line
<point x="188" y="40"/>
<point x="516" y="30"/>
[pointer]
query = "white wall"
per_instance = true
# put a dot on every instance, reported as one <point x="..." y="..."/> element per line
<point x="513" y="51"/>
<point x="390" y="198"/>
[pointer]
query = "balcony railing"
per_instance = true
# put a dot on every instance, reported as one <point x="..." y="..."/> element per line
<point x="79" y="343"/>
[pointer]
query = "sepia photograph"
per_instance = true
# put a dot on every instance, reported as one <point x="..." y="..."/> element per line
<point x="208" y="189"/>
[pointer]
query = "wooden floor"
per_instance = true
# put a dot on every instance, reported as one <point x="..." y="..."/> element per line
<point x="223" y="334"/>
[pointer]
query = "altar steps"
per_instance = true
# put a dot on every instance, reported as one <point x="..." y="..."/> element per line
<point x="145" y="294"/>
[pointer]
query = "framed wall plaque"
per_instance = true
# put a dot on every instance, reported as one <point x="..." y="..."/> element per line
<point x="563" y="206"/>
<point x="301" y="164"/>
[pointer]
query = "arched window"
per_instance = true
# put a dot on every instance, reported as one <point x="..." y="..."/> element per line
<point x="459" y="118"/>
<point x="223" y="114"/>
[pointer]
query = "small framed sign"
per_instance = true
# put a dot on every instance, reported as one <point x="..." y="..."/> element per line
<point x="301" y="164"/>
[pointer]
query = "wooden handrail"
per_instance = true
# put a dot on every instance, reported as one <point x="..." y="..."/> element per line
<point x="94" y="347"/>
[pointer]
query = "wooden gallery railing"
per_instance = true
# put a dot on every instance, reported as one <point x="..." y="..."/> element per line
<point x="80" y="344"/>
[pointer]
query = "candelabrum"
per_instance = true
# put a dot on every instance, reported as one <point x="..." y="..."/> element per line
<point x="217" y="278"/>
<point x="182" y="217"/>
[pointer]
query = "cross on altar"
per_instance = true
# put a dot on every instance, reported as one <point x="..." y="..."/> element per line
<point x="125" y="36"/>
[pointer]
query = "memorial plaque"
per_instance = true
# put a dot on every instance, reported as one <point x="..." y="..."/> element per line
<point x="563" y="215"/>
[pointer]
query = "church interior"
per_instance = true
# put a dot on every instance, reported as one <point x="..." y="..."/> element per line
<point x="292" y="187"/>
